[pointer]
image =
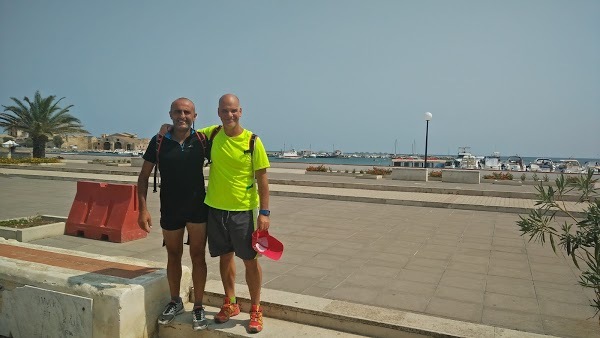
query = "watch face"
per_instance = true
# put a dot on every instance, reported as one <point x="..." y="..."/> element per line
<point x="265" y="212"/>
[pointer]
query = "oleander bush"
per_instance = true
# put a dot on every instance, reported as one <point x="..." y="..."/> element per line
<point x="378" y="171"/>
<point x="34" y="160"/>
<point x="578" y="236"/>
<point x="320" y="168"/>
<point x="436" y="173"/>
<point x="499" y="176"/>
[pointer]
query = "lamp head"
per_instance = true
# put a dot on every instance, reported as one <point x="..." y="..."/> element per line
<point x="428" y="116"/>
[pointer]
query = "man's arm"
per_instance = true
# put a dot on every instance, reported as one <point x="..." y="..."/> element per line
<point x="263" y="194"/>
<point x="144" y="219"/>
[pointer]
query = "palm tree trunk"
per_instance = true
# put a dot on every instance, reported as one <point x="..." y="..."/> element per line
<point x="39" y="146"/>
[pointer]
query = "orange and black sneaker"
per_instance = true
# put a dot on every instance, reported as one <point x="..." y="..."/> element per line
<point x="227" y="310"/>
<point x="256" y="319"/>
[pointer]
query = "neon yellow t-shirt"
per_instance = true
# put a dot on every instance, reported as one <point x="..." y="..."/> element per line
<point x="231" y="184"/>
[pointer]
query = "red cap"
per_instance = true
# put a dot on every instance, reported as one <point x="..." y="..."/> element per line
<point x="267" y="245"/>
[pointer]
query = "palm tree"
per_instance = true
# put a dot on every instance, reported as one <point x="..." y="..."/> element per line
<point x="41" y="120"/>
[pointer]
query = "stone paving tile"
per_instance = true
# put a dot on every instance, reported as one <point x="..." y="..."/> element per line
<point x="509" y="249"/>
<point x="463" y="258"/>
<point x="530" y="322"/>
<point x="402" y="301"/>
<point x="564" y="327"/>
<point x="551" y="268"/>
<point x="303" y="271"/>
<point x="420" y="276"/>
<point x="473" y="252"/>
<point x="399" y="263"/>
<point x="353" y="293"/>
<point x="316" y="291"/>
<point x="455" y="309"/>
<point x="426" y="262"/>
<point x="380" y="271"/>
<point x="463" y="282"/>
<point x="563" y="296"/>
<point x="480" y="268"/>
<point x="330" y="281"/>
<point x="431" y="253"/>
<point x="553" y="277"/>
<point x="508" y="302"/>
<point x="510" y="286"/>
<point x="359" y="278"/>
<point x="459" y="294"/>
<point x="421" y="288"/>
<point x="291" y="283"/>
<point x="521" y="273"/>
<point x="508" y="256"/>
<point x="566" y="310"/>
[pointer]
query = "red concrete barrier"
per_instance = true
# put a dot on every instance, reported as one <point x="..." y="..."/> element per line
<point x="105" y="211"/>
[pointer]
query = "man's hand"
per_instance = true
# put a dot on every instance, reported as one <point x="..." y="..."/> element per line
<point x="263" y="222"/>
<point x="164" y="129"/>
<point x="145" y="221"/>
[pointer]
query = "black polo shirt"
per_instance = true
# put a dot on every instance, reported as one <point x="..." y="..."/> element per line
<point x="180" y="165"/>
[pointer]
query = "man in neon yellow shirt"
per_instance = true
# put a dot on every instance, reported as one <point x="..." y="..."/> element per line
<point x="238" y="187"/>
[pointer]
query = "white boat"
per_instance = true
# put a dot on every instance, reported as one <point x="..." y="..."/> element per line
<point x="466" y="160"/>
<point x="513" y="163"/>
<point x="569" y="166"/>
<point x="492" y="162"/>
<point x="290" y="154"/>
<point x="542" y="164"/>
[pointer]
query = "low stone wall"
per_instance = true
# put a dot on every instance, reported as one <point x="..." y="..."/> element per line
<point x="409" y="174"/>
<point x="63" y="293"/>
<point x="137" y="161"/>
<point x="461" y="176"/>
<point x="41" y="231"/>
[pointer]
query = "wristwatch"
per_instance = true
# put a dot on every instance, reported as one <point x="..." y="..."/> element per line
<point x="264" y="212"/>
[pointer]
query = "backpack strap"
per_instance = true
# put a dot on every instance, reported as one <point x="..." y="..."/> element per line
<point x="251" y="152"/>
<point x="159" y="140"/>
<point x="215" y="131"/>
<point x="251" y="144"/>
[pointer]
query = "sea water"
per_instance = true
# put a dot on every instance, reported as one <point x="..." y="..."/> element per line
<point x="386" y="162"/>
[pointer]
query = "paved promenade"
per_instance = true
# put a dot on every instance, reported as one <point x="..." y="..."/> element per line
<point x="444" y="255"/>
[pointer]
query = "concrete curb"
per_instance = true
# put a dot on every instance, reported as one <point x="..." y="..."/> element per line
<point x="354" y="318"/>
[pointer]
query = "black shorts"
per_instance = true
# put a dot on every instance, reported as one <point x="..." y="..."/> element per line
<point x="231" y="231"/>
<point x="174" y="215"/>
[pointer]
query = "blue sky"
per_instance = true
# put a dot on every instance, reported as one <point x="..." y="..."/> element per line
<point x="519" y="77"/>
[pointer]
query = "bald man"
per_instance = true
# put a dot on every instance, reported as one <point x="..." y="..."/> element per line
<point x="238" y="201"/>
<point x="180" y="156"/>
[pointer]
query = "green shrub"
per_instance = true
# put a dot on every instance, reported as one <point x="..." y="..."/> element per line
<point x="320" y="168"/>
<point x="379" y="171"/>
<point x="29" y="160"/>
<point x="499" y="176"/>
<point x="579" y="237"/>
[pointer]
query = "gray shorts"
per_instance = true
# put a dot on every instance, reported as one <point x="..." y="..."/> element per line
<point x="230" y="231"/>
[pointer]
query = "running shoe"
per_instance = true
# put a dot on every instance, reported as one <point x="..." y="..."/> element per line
<point x="256" y="319"/>
<point x="171" y="310"/>
<point x="199" y="321"/>
<point x="227" y="310"/>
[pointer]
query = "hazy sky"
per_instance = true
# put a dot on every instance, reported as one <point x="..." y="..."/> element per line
<point x="519" y="77"/>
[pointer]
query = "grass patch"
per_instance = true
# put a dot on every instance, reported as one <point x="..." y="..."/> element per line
<point x="26" y="222"/>
<point x="29" y="160"/>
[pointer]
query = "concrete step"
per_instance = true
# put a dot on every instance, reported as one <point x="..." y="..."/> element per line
<point x="236" y="327"/>
<point x="293" y="315"/>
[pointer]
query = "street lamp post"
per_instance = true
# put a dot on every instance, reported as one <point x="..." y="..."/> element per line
<point x="427" y="119"/>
